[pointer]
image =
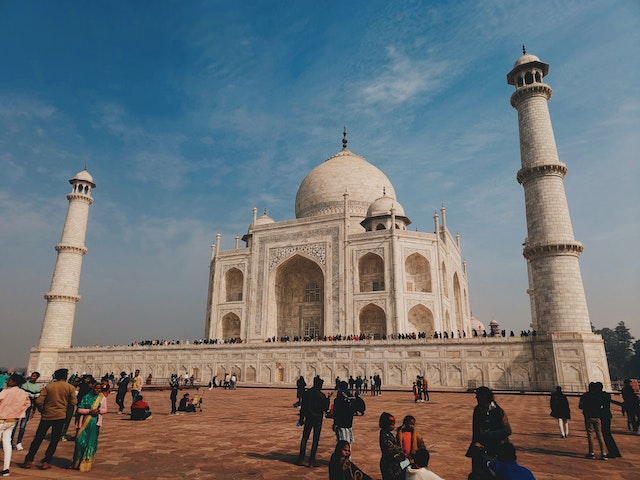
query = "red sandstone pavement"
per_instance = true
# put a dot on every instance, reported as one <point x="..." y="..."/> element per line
<point x="250" y="433"/>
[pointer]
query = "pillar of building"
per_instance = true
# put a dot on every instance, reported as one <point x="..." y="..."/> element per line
<point x="559" y="307"/>
<point x="62" y="297"/>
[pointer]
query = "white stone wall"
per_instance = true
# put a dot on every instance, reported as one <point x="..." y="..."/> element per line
<point x="510" y="363"/>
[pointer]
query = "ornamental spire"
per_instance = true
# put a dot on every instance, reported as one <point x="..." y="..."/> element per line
<point x="344" y="138"/>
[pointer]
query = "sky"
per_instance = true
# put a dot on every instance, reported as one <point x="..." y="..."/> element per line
<point x="189" y="114"/>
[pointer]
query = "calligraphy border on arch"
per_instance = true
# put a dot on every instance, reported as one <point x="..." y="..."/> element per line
<point x="314" y="250"/>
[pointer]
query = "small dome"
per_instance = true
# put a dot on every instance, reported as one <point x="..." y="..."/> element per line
<point x="382" y="207"/>
<point x="477" y="324"/>
<point x="263" y="220"/>
<point x="526" y="58"/>
<point x="83" y="176"/>
<point x="493" y="322"/>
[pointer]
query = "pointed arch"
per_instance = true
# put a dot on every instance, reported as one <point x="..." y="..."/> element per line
<point x="233" y="283"/>
<point x="299" y="289"/>
<point x="421" y="319"/>
<point x="418" y="273"/>
<point x="230" y="326"/>
<point x="371" y="273"/>
<point x="457" y="303"/>
<point x="445" y="283"/>
<point x="373" y="321"/>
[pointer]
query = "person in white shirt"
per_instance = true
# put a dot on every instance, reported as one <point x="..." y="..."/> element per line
<point x="419" y="471"/>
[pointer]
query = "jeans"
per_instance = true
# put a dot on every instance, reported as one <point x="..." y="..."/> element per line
<point x="56" y="433"/>
<point x="21" y="425"/>
<point x="120" y="400"/>
<point x="317" y="428"/>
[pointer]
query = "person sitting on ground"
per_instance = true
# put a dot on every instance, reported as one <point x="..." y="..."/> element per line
<point x="418" y="470"/>
<point x="506" y="467"/>
<point x="140" y="409"/>
<point x="340" y="466"/>
<point x="186" y="405"/>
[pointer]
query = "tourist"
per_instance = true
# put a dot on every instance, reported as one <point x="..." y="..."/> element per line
<point x="91" y="408"/>
<point x="174" y="385"/>
<point x="136" y="386"/>
<point x="425" y="389"/>
<point x="314" y="405"/>
<point x="610" y="443"/>
<point x="186" y="405"/>
<point x="140" y="409"/>
<point x="340" y="466"/>
<point x="631" y="406"/>
<point x="86" y="386"/>
<point x="409" y="438"/>
<point x="123" y="386"/>
<point x="232" y="382"/>
<point x="490" y="429"/>
<point x="560" y="410"/>
<point x="344" y="409"/>
<point x="54" y="401"/>
<point x="393" y="460"/>
<point x="301" y="387"/>
<point x="418" y="470"/>
<point x="33" y="390"/>
<point x="506" y="467"/>
<point x="591" y="406"/>
<point x="14" y="402"/>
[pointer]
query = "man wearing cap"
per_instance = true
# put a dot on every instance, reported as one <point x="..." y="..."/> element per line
<point x="53" y="403"/>
<point x="13" y="404"/>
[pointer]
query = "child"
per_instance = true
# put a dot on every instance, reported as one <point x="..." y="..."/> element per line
<point x="409" y="438"/>
<point x="340" y="466"/>
<point x="419" y="471"/>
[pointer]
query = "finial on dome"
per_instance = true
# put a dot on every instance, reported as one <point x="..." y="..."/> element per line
<point x="265" y="211"/>
<point x="344" y="138"/>
<point x="384" y="191"/>
<point x="524" y="50"/>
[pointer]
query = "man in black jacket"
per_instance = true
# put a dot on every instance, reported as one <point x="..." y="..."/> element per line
<point x="314" y="405"/>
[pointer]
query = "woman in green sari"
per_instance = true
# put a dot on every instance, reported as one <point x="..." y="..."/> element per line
<point x="92" y="406"/>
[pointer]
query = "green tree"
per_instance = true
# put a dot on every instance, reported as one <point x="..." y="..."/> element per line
<point x="633" y="365"/>
<point x="618" y="347"/>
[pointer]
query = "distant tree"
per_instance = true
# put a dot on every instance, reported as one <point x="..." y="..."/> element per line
<point x="618" y="345"/>
<point x="633" y="365"/>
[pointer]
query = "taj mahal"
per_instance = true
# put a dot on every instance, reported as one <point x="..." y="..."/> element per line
<point x="347" y="288"/>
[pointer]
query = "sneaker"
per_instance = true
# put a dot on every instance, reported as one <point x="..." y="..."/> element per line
<point x="603" y="457"/>
<point x="5" y="473"/>
<point x="63" y="439"/>
<point x="19" y="447"/>
<point x="590" y="455"/>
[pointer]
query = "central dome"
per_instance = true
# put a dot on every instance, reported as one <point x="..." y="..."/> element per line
<point x="322" y="191"/>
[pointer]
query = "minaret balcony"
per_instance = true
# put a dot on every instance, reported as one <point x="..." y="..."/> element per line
<point x="558" y="169"/>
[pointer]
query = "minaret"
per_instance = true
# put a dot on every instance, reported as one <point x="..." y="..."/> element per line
<point x="566" y="350"/>
<point x="63" y="295"/>
<point x="559" y="303"/>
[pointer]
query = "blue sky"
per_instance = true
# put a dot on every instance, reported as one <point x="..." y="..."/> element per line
<point x="189" y="114"/>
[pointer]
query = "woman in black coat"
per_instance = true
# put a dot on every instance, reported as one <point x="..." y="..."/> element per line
<point x="560" y="410"/>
